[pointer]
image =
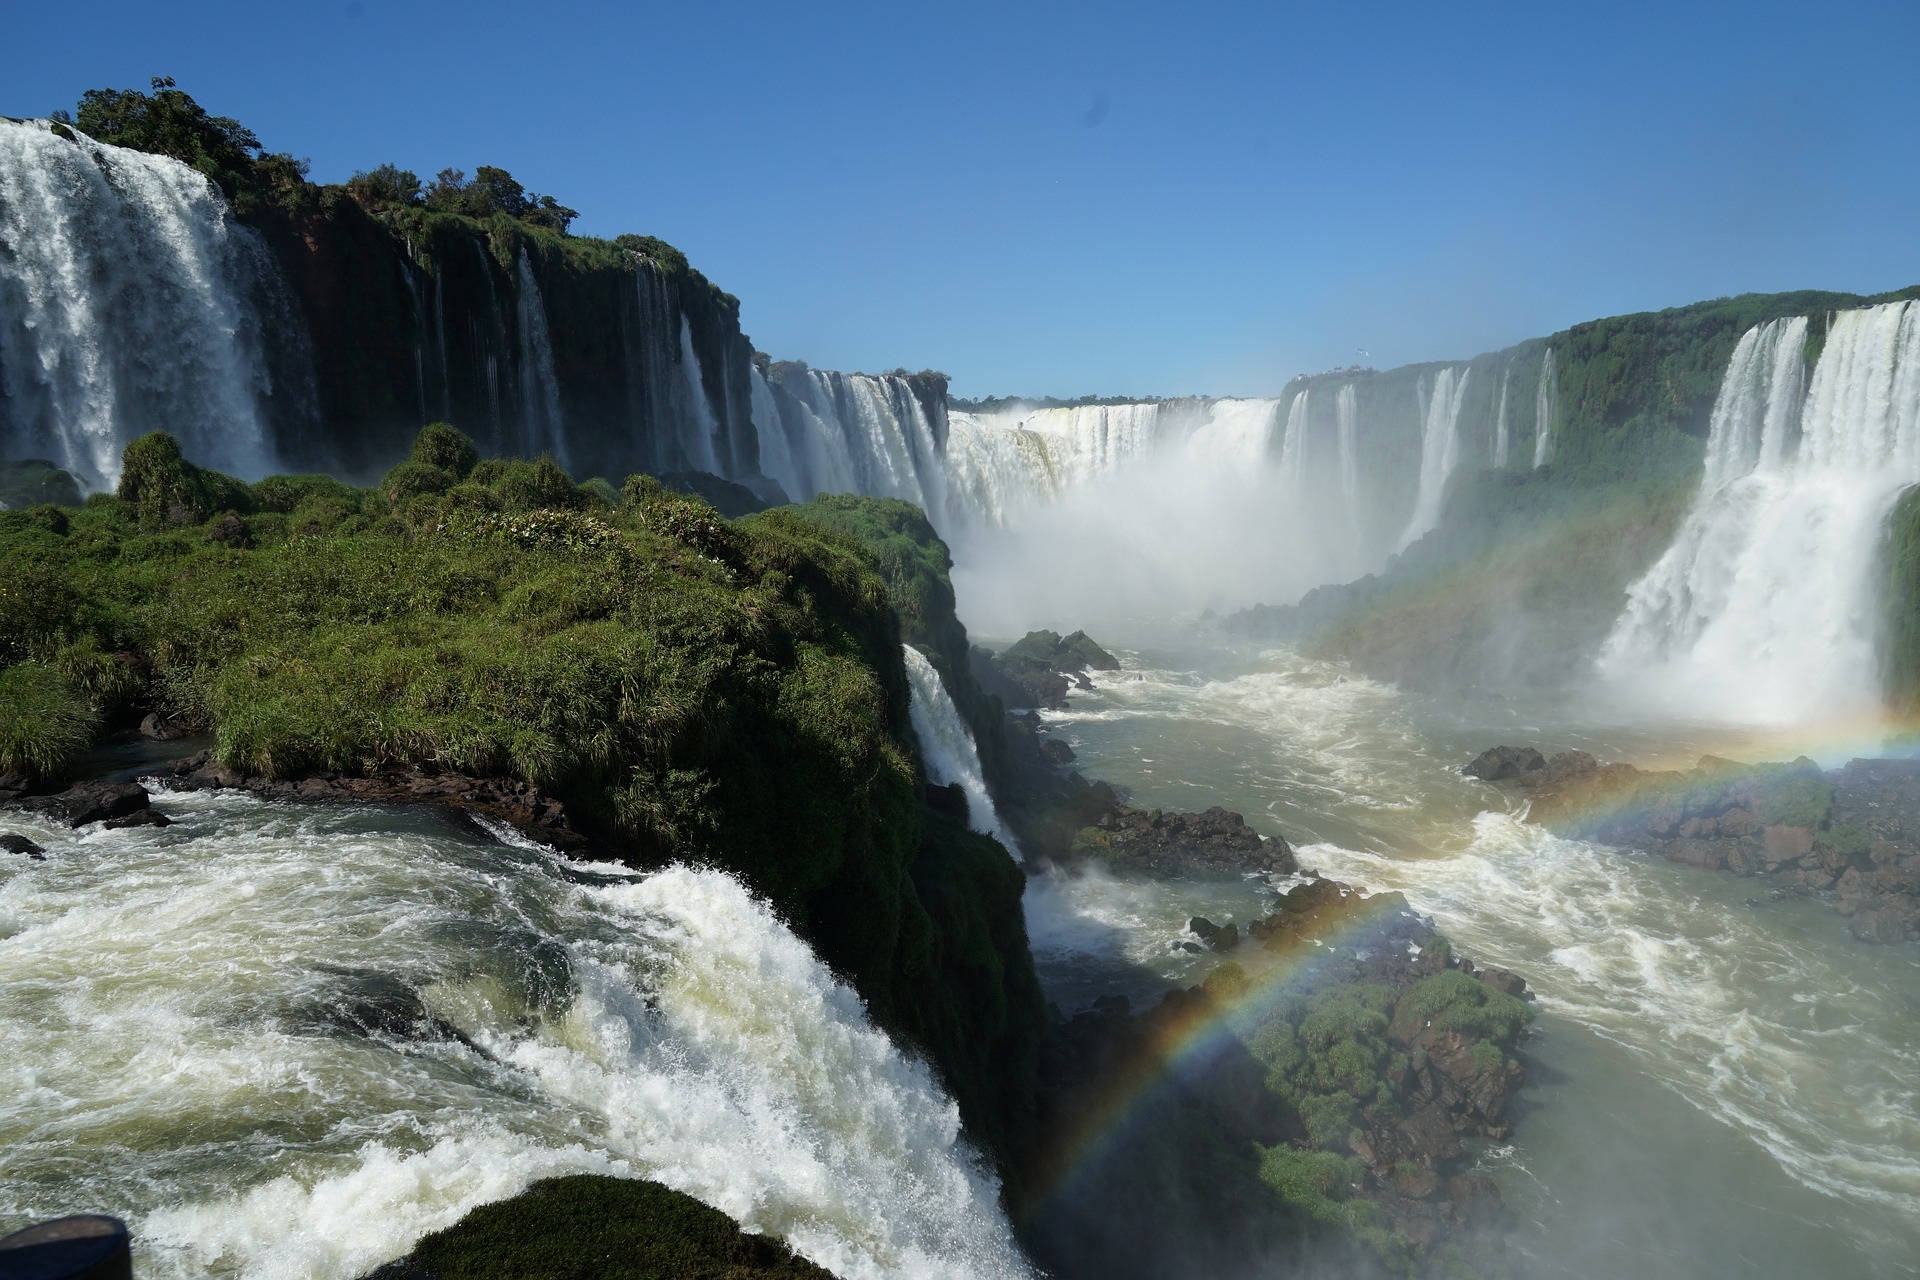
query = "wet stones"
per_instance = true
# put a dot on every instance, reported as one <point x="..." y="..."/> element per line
<point x="1156" y="841"/>
<point x="14" y="842"/>
<point x="89" y="802"/>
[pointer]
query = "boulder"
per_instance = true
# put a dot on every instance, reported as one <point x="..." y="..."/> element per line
<point x="1056" y="753"/>
<point x="1887" y="926"/>
<point x="91" y="802"/>
<point x="1497" y="764"/>
<point x="14" y="842"/>
<point x="161" y="728"/>
<point x="148" y="817"/>
<point x="1784" y="843"/>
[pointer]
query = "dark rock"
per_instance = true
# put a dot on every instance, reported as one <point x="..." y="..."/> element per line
<point x="1505" y="982"/>
<point x="1497" y="764"/>
<point x="1056" y="752"/>
<point x="161" y="729"/>
<point x="14" y="785"/>
<point x="950" y="800"/>
<point x="1226" y="938"/>
<point x="91" y="802"/>
<point x="1888" y="926"/>
<point x="148" y="817"/>
<point x="1202" y="928"/>
<point x="14" y="842"/>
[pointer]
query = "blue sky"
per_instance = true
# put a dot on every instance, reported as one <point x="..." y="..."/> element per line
<point x="1118" y="199"/>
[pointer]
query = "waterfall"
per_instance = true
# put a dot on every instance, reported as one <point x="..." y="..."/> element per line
<point x="292" y="1040"/>
<point x="1502" y="434"/>
<point x="1546" y="396"/>
<point x="539" y="387"/>
<point x="823" y="432"/>
<point x="131" y="301"/>
<point x="1293" y="446"/>
<point x="947" y="746"/>
<point x="698" y="428"/>
<point x="1439" y="451"/>
<point x="1347" y="423"/>
<point x="1765" y="607"/>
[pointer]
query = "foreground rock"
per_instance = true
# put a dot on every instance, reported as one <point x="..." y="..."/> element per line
<point x="1849" y="836"/>
<point x="1156" y="842"/>
<point x="1328" y="1086"/>
<point x="14" y="842"/>
<point x="519" y="804"/>
<point x="88" y="802"/>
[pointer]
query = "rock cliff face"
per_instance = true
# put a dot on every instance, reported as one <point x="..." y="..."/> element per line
<point x="614" y="356"/>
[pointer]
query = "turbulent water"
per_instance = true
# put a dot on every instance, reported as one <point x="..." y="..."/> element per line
<point x="1720" y="1087"/>
<point x="130" y="301"/>
<point x="952" y="758"/>
<point x="286" y="1041"/>
<point x="1766" y="607"/>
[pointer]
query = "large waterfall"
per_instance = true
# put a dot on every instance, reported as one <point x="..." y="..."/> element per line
<point x="130" y="301"/>
<point x="948" y="748"/>
<point x="1439" y="451"/>
<point x="823" y="432"/>
<point x="288" y="1041"/>
<point x="1764" y="609"/>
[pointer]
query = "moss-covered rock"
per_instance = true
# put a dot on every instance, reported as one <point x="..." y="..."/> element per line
<point x="603" y="1228"/>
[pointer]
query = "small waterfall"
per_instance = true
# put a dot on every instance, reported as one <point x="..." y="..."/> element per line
<point x="1347" y="423"/>
<point x="699" y="429"/>
<point x="1502" y="431"/>
<point x="1439" y="451"/>
<point x="947" y="746"/>
<point x="1293" y="445"/>
<point x="1764" y="609"/>
<point x="295" y="1039"/>
<point x="1546" y="397"/>
<point x="823" y="432"/>
<point x="539" y="387"/>
<point x="131" y="301"/>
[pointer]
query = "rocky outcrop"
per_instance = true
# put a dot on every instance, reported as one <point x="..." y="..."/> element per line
<point x="1849" y="836"/>
<point x="1356" y="1036"/>
<point x="89" y="802"/>
<point x="1158" y="842"/>
<point x="518" y="804"/>
<point x="1041" y="668"/>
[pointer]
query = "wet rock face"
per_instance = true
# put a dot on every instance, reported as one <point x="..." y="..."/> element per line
<point x="1850" y="835"/>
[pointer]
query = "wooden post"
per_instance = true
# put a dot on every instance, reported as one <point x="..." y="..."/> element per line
<point x="87" y="1246"/>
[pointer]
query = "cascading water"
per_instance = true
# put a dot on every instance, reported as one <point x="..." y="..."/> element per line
<point x="287" y="1041"/>
<point x="1764" y="609"/>
<point x="1439" y="451"/>
<point x="947" y="746"/>
<point x="1544" y="400"/>
<point x="823" y="432"/>
<point x="130" y="301"/>
<point x="698" y="427"/>
<point x="1293" y="447"/>
<point x="539" y="387"/>
<point x="1502" y="431"/>
<point x="1347" y="431"/>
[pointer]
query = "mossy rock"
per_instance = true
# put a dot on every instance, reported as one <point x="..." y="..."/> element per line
<point x="590" y="1227"/>
<point x="33" y="482"/>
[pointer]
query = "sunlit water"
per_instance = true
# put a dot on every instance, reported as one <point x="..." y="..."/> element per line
<point x="1721" y="1087"/>
<point x="287" y="1040"/>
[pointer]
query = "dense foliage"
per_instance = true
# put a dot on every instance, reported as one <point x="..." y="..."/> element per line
<point x="730" y="693"/>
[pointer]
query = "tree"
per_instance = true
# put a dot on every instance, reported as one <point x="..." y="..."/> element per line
<point x="169" y="122"/>
<point x="386" y="187"/>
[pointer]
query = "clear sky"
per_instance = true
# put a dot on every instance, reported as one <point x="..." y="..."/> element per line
<point x="1113" y="199"/>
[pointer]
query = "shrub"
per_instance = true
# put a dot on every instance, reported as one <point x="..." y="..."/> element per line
<point x="411" y="479"/>
<point x="442" y="445"/>
<point x="1454" y="1002"/>
<point x="285" y="493"/>
<point x="164" y="488"/>
<point x="44" y="726"/>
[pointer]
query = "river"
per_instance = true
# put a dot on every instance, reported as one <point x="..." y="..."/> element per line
<point x="1722" y="1085"/>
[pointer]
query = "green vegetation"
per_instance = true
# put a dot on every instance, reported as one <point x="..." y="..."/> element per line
<point x="728" y="693"/>
<point x="1453" y="1002"/>
<point x="1796" y="799"/>
<point x="1318" y="1185"/>
<point x="1328" y="1056"/>
<point x="33" y="482"/>
<point x="605" y="1228"/>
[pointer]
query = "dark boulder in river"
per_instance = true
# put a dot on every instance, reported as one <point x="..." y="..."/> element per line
<point x="89" y="802"/>
<point x="14" y="842"/>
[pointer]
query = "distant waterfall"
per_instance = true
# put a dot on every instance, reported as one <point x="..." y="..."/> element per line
<point x="1502" y="432"/>
<point x="130" y="301"/>
<point x="1439" y="451"/>
<point x="823" y="432"/>
<point x="1765" y="608"/>
<point x="539" y="388"/>
<point x="1346" y="410"/>
<point x="1545" y="398"/>
<point x="948" y="748"/>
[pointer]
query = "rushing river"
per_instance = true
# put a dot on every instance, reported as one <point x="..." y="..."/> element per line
<point x="1720" y="1086"/>
<point x="287" y="1040"/>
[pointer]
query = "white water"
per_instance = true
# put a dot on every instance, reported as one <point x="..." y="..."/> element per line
<point x="1545" y="398"/>
<point x="848" y="433"/>
<point x="697" y="428"/>
<point x="1293" y="447"/>
<point x="176" y="1046"/>
<point x="1439" y="451"/>
<point x="130" y="301"/>
<point x="1502" y="432"/>
<point x="539" y="387"/>
<point x="948" y="748"/>
<point x="1764" y="609"/>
